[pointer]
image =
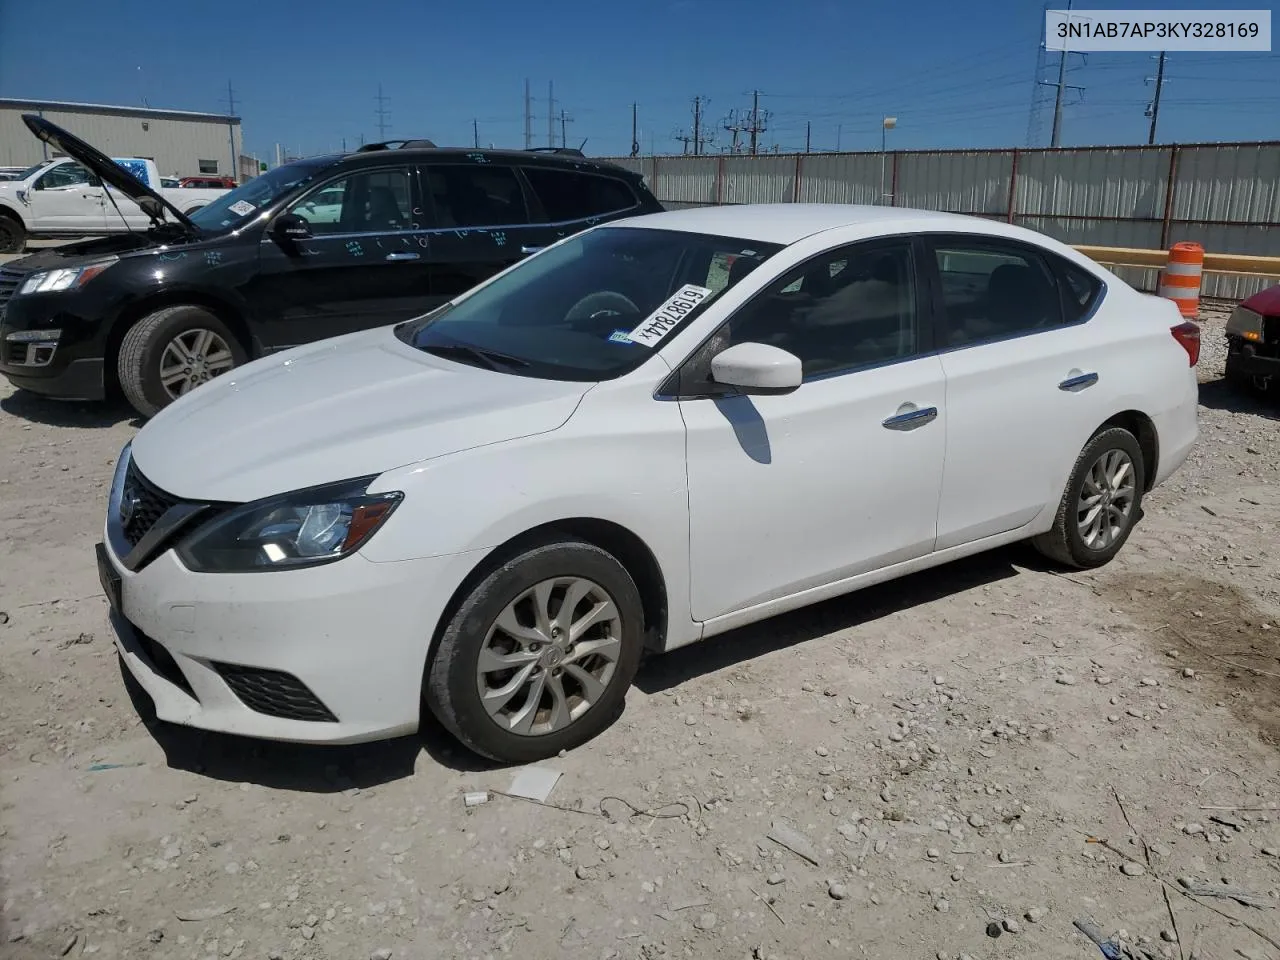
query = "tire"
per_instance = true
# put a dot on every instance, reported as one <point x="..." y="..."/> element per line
<point x="145" y="352"/>
<point x="13" y="235"/>
<point x="1242" y="382"/>
<point x="453" y="686"/>
<point x="1065" y="543"/>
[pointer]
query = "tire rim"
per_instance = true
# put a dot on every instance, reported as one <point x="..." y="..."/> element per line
<point x="550" y="655"/>
<point x="1106" y="500"/>
<point x="191" y="358"/>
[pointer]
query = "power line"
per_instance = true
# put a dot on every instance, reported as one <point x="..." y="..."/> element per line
<point x="382" y="114"/>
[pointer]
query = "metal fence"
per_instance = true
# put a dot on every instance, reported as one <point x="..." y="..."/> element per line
<point x="1225" y="196"/>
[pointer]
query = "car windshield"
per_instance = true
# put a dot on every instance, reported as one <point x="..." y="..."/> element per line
<point x="227" y="211"/>
<point x="566" y="313"/>
<point x="31" y="170"/>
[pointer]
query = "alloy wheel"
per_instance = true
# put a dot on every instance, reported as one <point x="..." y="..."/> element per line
<point x="1105" y="506"/>
<point x="191" y="358"/>
<point x="550" y="656"/>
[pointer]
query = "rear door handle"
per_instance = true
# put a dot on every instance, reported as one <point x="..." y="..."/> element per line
<point x="529" y="250"/>
<point x="912" y="419"/>
<point x="1080" y="382"/>
<point x="403" y="255"/>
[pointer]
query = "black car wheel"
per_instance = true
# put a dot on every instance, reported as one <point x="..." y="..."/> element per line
<point x="539" y="655"/>
<point x="171" y="352"/>
<point x="1244" y="382"/>
<point x="13" y="236"/>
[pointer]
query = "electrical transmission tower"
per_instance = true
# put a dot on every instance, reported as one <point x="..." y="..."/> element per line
<point x="382" y="113"/>
<point x="1049" y="91"/>
<point x="700" y="139"/>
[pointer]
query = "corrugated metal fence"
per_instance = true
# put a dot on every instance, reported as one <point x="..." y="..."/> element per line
<point x="1225" y="196"/>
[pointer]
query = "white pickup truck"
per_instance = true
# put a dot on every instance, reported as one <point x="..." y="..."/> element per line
<point x="60" y="198"/>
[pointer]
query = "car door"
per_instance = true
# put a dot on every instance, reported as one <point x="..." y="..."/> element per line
<point x="68" y="199"/>
<point x="482" y="221"/>
<point x="366" y="263"/>
<point x="1023" y="371"/>
<point x="840" y="477"/>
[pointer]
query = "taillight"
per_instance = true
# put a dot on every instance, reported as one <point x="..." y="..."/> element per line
<point x="1188" y="335"/>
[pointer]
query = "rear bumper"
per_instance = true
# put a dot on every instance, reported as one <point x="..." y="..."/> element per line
<point x="1177" y="429"/>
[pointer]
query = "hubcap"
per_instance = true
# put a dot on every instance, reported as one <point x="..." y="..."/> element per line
<point x="550" y="655"/>
<point x="191" y="358"/>
<point x="1105" y="507"/>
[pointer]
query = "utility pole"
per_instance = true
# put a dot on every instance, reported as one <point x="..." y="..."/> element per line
<point x="551" y="114"/>
<point x="635" y="136"/>
<point x="839" y="131"/>
<point x="734" y="125"/>
<point x="381" y="113"/>
<point x="684" y="139"/>
<point x="528" y="116"/>
<point x="1155" y="103"/>
<point x="1056" y="138"/>
<point x="564" y="119"/>
<point x="475" y="132"/>
<point x="231" y="129"/>
<point x="807" y="131"/>
<point x="755" y="119"/>
<point x="697" y="125"/>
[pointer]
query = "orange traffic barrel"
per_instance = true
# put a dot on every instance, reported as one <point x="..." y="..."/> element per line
<point x="1180" y="279"/>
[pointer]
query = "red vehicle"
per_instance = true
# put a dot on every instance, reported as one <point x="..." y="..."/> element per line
<point x="1253" y="341"/>
<point x="212" y="183"/>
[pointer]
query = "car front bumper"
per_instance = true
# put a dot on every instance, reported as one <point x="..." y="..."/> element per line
<point x="68" y="367"/>
<point x="1245" y="357"/>
<point x="329" y="654"/>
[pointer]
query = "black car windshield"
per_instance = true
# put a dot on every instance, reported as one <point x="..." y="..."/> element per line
<point x="593" y="307"/>
<point x="226" y="212"/>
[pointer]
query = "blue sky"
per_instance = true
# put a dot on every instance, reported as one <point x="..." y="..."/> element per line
<point x="305" y="74"/>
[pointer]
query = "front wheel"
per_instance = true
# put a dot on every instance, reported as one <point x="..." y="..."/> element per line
<point x="1101" y="504"/>
<point x="539" y="655"/>
<point x="13" y="235"/>
<point x="1241" y="381"/>
<point x="171" y="352"/>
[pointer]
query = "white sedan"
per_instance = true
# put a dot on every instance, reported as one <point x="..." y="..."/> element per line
<point x="645" y="435"/>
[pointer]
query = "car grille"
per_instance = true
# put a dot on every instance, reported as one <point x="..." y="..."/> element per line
<point x="274" y="693"/>
<point x="149" y="506"/>
<point x="9" y="280"/>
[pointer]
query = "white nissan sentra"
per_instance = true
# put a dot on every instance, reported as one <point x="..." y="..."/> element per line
<point x="640" y="437"/>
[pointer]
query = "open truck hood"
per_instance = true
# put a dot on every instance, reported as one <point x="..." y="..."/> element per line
<point x="106" y="169"/>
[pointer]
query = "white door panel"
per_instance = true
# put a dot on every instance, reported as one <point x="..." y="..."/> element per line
<point x="789" y="492"/>
<point x="1019" y="412"/>
<point x="67" y="207"/>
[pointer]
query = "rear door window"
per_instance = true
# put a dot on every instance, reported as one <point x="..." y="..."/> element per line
<point x="475" y="195"/>
<point x="573" y="195"/>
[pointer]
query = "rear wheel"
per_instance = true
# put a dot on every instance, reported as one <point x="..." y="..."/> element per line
<point x="539" y="655"/>
<point x="1101" y="504"/>
<point x="171" y="352"/>
<point x="13" y="235"/>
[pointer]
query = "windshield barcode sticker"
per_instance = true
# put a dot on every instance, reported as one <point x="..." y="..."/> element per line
<point x="663" y="320"/>
<point x="242" y="207"/>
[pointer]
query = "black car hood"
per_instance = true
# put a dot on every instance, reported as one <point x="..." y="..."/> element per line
<point x="107" y="169"/>
<point x="88" y="251"/>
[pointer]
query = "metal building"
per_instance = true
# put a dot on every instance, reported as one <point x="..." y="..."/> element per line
<point x="182" y="143"/>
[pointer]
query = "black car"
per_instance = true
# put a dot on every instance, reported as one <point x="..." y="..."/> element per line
<point x="312" y="249"/>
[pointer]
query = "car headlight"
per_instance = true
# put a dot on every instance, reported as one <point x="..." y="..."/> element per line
<point x="64" y="278"/>
<point x="1246" y="323"/>
<point x="300" y="529"/>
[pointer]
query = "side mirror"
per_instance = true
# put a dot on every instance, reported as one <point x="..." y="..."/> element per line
<point x="289" y="228"/>
<point x="757" y="368"/>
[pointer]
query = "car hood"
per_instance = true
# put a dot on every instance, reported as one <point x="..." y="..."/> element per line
<point x="107" y="169"/>
<point x="347" y="407"/>
<point x="87" y="251"/>
<point x="1265" y="302"/>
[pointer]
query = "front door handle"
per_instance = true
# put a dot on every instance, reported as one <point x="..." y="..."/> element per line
<point x="529" y="250"/>
<point x="1079" y="382"/>
<point x="912" y="418"/>
<point x="403" y="255"/>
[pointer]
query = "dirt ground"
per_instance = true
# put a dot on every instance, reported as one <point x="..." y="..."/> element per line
<point x="948" y="744"/>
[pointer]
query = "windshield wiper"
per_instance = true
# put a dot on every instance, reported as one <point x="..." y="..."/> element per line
<point x="489" y="359"/>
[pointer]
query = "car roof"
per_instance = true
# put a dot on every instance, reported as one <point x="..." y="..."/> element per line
<point x="786" y="223"/>
<point x="524" y="158"/>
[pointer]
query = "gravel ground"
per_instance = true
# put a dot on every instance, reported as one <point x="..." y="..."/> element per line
<point x="949" y="747"/>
